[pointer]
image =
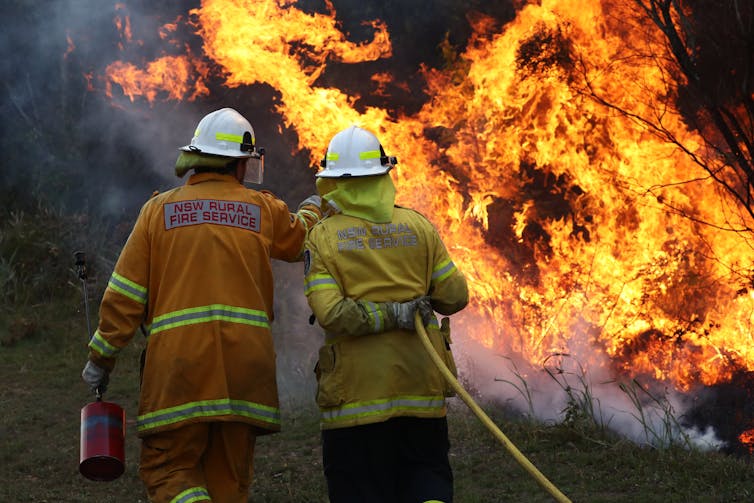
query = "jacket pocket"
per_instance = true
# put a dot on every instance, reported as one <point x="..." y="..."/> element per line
<point x="329" y="387"/>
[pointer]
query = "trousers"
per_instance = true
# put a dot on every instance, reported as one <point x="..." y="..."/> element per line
<point x="210" y="461"/>
<point x="401" y="460"/>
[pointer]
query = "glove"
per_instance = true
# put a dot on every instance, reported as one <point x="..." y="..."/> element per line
<point x="403" y="312"/>
<point x="96" y="377"/>
<point x="313" y="200"/>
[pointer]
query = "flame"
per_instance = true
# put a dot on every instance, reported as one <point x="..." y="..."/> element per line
<point x="177" y="77"/>
<point x="70" y="47"/>
<point x="578" y="228"/>
<point x="747" y="439"/>
<point x="123" y="24"/>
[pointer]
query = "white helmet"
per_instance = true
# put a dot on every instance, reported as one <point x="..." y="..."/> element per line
<point x="223" y="132"/>
<point x="227" y="133"/>
<point x="355" y="152"/>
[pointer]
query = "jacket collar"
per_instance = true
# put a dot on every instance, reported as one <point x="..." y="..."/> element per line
<point x="210" y="176"/>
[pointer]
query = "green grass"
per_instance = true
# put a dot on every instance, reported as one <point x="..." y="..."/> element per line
<point x="42" y="397"/>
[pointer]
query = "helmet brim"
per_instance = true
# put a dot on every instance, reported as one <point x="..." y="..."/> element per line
<point x="217" y="152"/>
<point x="355" y="172"/>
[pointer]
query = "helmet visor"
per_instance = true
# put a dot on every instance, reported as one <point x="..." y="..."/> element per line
<point x="254" y="168"/>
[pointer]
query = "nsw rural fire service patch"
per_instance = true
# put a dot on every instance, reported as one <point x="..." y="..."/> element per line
<point x="211" y="211"/>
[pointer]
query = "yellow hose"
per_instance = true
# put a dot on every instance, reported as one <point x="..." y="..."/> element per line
<point x="520" y="458"/>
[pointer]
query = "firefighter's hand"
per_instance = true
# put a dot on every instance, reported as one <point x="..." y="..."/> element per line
<point x="403" y="312"/>
<point x="313" y="200"/>
<point x="96" y="377"/>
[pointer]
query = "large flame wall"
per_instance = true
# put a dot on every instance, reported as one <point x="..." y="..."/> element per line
<point x="581" y="230"/>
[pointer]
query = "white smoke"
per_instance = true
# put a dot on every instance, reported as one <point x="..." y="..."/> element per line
<point x="565" y="389"/>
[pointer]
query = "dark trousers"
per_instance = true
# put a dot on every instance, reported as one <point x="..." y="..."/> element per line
<point x="402" y="460"/>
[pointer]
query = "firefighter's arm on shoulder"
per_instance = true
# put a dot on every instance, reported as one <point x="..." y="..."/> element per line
<point x="310" y="211"/>
<point x="290" y="229"/>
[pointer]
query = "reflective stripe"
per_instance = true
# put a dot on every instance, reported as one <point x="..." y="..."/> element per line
<point x="204" y="314"/>
<point x="234" y="138"/>
<point x="304" y="212"/>
<point x="319" y="282"/>
<point x="386" y="406"/>
<point x="443" y="270"/>
<point x="208" y="408"/>
<point x="332" y="156"/>
<point x="126" y="287"/>
<point x="375" y="316"/>
<point x="101" y="346"/>
<point x="192" y="495"/>
<point x="369" y="154"/>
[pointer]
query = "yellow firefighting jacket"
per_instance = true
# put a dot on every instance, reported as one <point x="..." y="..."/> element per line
<point x="368" y="371"/>
<point x="196" y="271"/>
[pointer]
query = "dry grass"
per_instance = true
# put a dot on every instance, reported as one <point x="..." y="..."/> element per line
<point x="43" y="395"/>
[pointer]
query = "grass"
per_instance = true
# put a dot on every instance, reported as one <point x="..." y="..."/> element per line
<point x="43" y="338"/>
<point x="42" y="397"/>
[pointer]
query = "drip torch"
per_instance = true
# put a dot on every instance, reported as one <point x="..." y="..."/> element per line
<point x="102" y="454"/>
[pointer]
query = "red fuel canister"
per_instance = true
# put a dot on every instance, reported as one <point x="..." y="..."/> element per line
<point x="102" y="454"/>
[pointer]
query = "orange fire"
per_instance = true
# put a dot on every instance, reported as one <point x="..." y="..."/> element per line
<point x="578" y="229"/>
<point x="171" y="77"/>
<point x="747" y="438"/>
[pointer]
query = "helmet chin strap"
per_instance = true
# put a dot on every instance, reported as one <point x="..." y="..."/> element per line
<point x="241" y="170"/>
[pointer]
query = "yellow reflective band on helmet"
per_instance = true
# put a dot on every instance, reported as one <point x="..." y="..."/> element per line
<point x="332" y="156"/>
<point x="369" y="154"/>
<point x="319" y="282"/>
<point x="230" y="137"/>
<point x="208" y="408"/>
<point x="443" y="270"/>
<point x="204" y="314"/>
<point x="125" y="286"/>
<point x="390" y="406"/>
<point x="101" y="346"/>
<point x="192" y="495"/>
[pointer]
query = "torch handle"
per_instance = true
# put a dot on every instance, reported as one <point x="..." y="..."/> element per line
<point x="86" y="309"/>
<point x="81" y="271"/>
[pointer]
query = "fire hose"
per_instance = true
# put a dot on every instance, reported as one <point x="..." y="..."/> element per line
<point x="484" y="418"/>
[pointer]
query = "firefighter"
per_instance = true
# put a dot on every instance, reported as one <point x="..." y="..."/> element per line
<point x="196" y="271"/>
<point x="369" y="266"/>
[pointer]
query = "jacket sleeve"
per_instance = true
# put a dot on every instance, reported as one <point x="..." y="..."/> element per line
<point x="336" y="314"/>
<point x="289" y="229"/>
<point x="123" y="305"/>
<point x="448" y="289"/>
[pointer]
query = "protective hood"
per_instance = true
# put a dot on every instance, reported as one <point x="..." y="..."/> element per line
<point x="191" y="160"/>
<point x="368" y="197"/>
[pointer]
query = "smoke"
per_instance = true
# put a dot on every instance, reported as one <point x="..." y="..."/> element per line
<point x="104" y="156"/>
<point x="88" y="153"/>
<point x="562" y="390"/>
<point x="112" y="152"/>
